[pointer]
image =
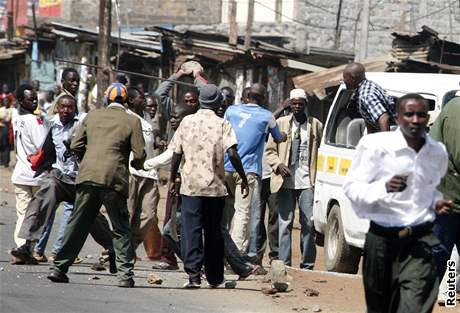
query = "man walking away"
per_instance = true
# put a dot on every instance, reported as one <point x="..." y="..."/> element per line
<point x="252" y="123"/>
<point x="203" y="188"/>
<point x="392" y="182"/>
<point x="112" y="133"/>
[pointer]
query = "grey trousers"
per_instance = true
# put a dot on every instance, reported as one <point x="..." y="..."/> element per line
<point x="45" y="201"/>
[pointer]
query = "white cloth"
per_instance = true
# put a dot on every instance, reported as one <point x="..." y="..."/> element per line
<point x="378" y="158"/>
<point x="29" y="135"/>
<point x="147" y="131"/>
<point x="162" y="160"/>
<point x="300" y="162"/>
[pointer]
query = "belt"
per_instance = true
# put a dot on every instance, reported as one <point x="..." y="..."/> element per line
<point x="401" y="232"/>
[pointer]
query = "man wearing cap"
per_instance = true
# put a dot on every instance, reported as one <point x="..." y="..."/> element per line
<point x="112" y="133"/>
<point x="203" y="188"/>
<point x="294" y="170"/>
<point x="251" y="123"/>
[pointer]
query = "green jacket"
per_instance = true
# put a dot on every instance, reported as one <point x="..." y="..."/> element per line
<point x="446" y="129"/>
<point x="103" y="143"/>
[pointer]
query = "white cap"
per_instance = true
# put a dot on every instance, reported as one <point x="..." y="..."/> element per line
<point x="297" y="93"/>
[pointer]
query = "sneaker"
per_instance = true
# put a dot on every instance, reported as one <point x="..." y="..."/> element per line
<point x="160" y="265"/>
<point x="40" y="257"/>
<point x="192" y="285"/>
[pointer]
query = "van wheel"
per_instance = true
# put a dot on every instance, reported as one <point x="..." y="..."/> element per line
<point x="340" y="257"/>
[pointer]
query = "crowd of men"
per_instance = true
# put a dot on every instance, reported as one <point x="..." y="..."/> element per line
<point x="228" y="163"/>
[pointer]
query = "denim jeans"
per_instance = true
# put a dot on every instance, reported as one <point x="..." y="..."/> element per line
<point x="447" y="229"/>
<point x="259" y="233"/>
<point x="41" y="244"/>
<point x="287" y="200"/>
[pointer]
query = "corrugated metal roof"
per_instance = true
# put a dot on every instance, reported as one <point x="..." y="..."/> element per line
<point x="316" y="83"/>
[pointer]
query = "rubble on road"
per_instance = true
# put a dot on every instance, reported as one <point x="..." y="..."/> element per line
<point x="154" y="279"/>
<point x="309" y="292"/>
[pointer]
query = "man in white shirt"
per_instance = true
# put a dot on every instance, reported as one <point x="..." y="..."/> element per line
<point x="143" y="185"/>
<point x="392" y="181"/>
<point x="29" y="134"/>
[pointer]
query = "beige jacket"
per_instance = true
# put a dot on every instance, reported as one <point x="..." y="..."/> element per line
<point x="276" y="154"/>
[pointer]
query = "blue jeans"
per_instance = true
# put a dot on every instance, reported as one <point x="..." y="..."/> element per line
<point x="287" y="200"/>
<point x="259" y="233"/>
<point x="41" y="244"/>
<point x="447" y="229"/>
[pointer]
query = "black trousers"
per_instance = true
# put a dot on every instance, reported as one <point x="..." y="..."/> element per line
<point x="4" y="145"/>
<point x="399" y="274"/>
<point x="202" y="215"/>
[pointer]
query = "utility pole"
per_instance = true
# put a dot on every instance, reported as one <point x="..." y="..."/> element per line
<point x="103" y="47"/>
<point x="232" y="27"/>
<point x="247" y="38"/>
<point x="337" y="26"/>
<point x="364" y="31"/>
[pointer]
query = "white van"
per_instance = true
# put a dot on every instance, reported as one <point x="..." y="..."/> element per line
<point x="334" y="218"/>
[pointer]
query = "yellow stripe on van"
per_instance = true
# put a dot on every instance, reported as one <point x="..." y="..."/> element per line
<point x="331" y="164"/>
<point x="320" y="163"/>
<point x="344" y="166"/>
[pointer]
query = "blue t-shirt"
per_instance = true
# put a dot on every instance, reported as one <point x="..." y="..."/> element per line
<point x="251" y="123"/>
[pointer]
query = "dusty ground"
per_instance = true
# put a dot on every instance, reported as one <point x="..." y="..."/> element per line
<point x="337" y="292"/>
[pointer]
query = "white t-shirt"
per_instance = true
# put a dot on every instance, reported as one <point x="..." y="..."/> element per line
<point x="147" y="131"/>
<point x="299" y="163"/>
<point x="29" y="135"/>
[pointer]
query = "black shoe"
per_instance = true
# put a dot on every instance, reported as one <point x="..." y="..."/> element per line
<point x="24" y="255"/>
<point x="112" y="264"/>
<point x="126" y="283"/>
<point x="56" y="276"/>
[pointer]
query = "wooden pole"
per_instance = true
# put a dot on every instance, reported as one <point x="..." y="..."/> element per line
<point x="105" y="27"/>
<point x="337" y="26"/>
<point x="278" y="10"/>
<point x="247" y="38"/>
<point x="232" y="29"/>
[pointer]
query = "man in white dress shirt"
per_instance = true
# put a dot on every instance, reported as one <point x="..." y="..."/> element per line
<point x="392" y="181"/>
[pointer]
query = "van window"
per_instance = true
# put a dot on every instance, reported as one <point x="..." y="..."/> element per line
<point x="346" y="126"/>
<point x="448" y="96"/>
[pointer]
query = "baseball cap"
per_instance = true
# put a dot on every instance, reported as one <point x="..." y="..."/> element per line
<point x="117" y="92"/>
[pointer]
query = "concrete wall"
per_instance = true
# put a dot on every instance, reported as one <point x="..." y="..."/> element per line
<point x="144" y="12"/>
<point x="318" y="23"/>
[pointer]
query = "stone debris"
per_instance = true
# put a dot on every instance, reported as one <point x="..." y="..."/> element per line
<point x="154" y="279"/>
<point x="316" y="308"/>
<point x="268" y="290"/>
<point x="279" y="277"/>
<point x="309" y="292"/>
<point x="94" y="278"/>
<point x="302" y="309"/>
<point x="231" y="284"/>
